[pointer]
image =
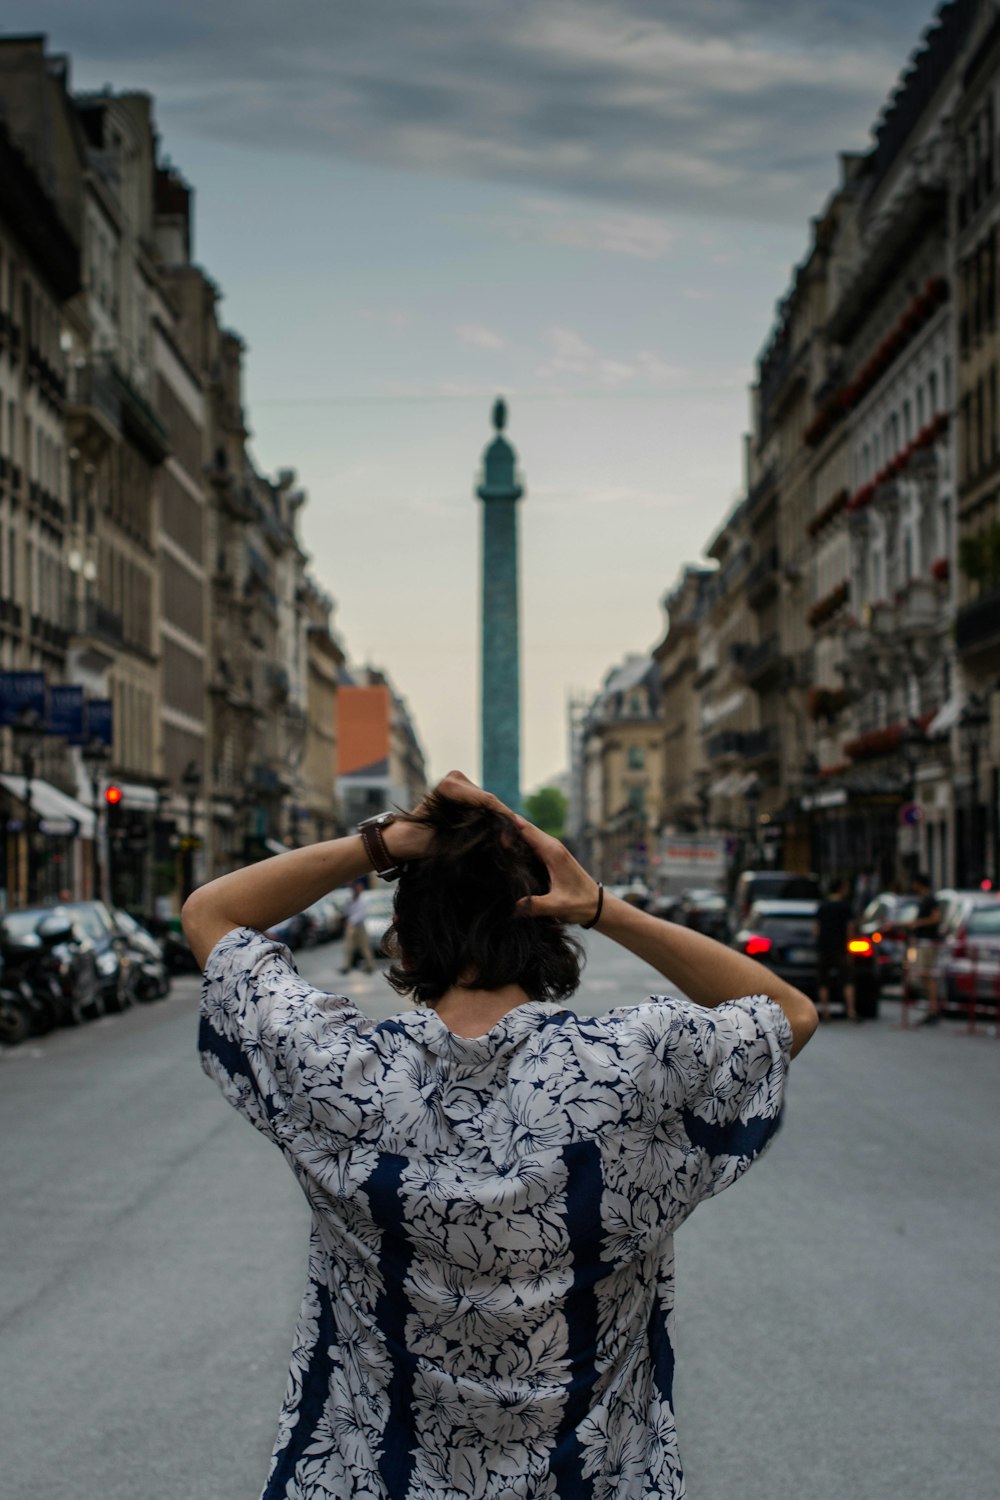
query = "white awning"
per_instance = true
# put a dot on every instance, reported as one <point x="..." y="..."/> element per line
<point x="946" y="717"/>
<point x="744" y="783"/>
<point x="58" y="814"/>
<point x="273" y="847"/>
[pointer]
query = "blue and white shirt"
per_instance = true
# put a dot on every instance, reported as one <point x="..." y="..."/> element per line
<point x="489" y="1308"/>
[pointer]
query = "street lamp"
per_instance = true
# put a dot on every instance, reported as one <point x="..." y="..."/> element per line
<point x="95" y="757"/>
<point x="810" y="781"/>
<point x="753" y="813"/>
<point x="27" y="730"/>
<point x="973" y="729"/>
<point x="191" y="782"/>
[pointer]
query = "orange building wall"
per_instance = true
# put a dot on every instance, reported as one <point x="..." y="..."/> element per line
<point x="363" y="715"/>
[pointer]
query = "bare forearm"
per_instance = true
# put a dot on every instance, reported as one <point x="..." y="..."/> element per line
<point x="704" y="970"/>
<point x="265" y="893"/>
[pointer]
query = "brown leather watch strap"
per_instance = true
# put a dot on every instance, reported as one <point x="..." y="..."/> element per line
<point x="376" y="848"/>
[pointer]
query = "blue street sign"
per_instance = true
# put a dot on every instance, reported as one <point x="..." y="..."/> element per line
<point x="66" y="712"/>
<point x="911" y="814"/>
<point x="21" y="690"/>
<point x="99" y="725"/>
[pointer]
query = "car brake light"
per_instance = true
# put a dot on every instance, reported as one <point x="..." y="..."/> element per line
<point x="859" y="946"/>
<point x="757" y="944"/>
<point x="960" y="947"/>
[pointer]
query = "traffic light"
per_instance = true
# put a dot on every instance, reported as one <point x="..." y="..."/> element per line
<point x="113" y="795"/>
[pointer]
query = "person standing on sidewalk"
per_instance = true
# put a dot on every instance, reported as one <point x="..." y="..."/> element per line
<point x="495" y="1181"/>
<point x="834" y="930"/>
<point x="926" y="930"/>
<point x="356" y="933"/>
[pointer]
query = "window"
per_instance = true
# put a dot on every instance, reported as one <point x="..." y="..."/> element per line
<point x="637" y="799"/>
<point x="991" y="449"/>
<point x="920" y="407"/>
<point x="636" y="757"/>
<point x="907" y="422"/>
<point x="932" y="392"/>
<point x="635" y="703"/>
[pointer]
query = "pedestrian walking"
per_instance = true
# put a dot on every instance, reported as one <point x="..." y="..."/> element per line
<point x="495" y="1182"/>
<point x="926" y="930"/>
<point x="834" y="929"/>
<point x="356" y="939"/>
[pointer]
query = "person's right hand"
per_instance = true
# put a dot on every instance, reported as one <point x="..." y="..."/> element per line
<point x="572" y="895"/>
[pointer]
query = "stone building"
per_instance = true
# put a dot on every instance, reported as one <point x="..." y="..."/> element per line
<point x="623" y="773"/>
<point x="40" y="278"/>
<point x="318" y="816"/>
<point x="975" y="227"/>
<point x="685" y="793"/>
<point x="380" y="764"/>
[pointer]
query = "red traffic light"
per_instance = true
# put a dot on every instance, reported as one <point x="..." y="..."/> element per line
<point x="113" y="795"/>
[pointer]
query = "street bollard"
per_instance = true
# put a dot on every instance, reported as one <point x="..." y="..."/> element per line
<point x="907" y="998"/>
<point x="970" y="980"/>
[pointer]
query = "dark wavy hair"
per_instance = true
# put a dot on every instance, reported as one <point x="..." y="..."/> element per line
<point x="454" y="921"/>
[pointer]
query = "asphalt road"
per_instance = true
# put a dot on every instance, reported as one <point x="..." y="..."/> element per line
<point x="837" y="1310"/>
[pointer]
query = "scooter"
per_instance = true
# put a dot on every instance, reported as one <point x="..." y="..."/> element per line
<point x="24" y="988"/>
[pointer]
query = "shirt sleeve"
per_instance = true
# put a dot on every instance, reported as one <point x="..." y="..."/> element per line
<point x="261" y="1028"/>
<point x="715" y="1080"/>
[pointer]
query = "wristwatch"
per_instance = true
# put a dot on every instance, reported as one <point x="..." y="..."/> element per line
<point x="375" y="846"/>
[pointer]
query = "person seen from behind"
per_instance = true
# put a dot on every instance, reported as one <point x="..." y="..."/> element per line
<point x="495" y="1181"/>
<point x="834" y="929"/>
<point x="356" y="939"/>
<point x="926" y="931"/>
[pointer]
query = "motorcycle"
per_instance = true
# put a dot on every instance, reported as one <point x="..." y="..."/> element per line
<point x="67" y="970"/>
<point x="24" y="988"/>
<point x="17" y="1010"/>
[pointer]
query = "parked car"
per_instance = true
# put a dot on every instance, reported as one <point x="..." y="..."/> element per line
<point x="292" y="931"/>
<point x="770" y="885"/>
<point x="665" y="905"/>
<point x="885" y="922"/>
<point x="705" y="910"/>
<point x="117" y="970"/>
<point x="326" y="920"/>
<point x="782" y="935"/>
<point x="152" y="976"/>
<point x="969" y="961"/>
<point x="378" y="920"/>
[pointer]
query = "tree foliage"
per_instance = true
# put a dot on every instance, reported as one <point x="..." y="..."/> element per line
<point x="546" y="808"/>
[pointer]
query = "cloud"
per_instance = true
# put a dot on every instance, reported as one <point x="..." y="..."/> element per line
<point x="475" y="336"/>
<point x="553" y="222"/>
<point x="663" y="109"/>
<point x="570" y="358"/>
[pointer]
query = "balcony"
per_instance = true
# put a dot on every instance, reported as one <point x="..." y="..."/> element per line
<point x="708" y="661"/>
<point x="977" y="627"/>
<point x="762" y="580"/>
<point x="139" y="420"/>
<point x="763" y="661"/>
<point x="47" y="635"/>
<point x="763" y="493"/>
<point x="761" y="744"/>
<point x="728" y="742"/>
<point x="95" y="620"/>
<point x="10" y="615"/>
<point x="94" y="406"/>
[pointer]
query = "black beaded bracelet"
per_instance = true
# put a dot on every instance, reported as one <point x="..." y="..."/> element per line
<point x="600" y="908"/>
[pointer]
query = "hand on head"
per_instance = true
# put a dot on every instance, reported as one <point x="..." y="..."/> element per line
<point x="572" y="894"/>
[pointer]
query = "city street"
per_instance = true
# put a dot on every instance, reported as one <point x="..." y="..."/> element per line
<point x="836" y="1310"/>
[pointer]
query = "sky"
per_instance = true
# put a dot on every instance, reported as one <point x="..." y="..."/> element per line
<point x="412" y="206"/>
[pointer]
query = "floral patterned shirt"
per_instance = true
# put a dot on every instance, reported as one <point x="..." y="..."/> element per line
<point x="489" y="1307"/>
